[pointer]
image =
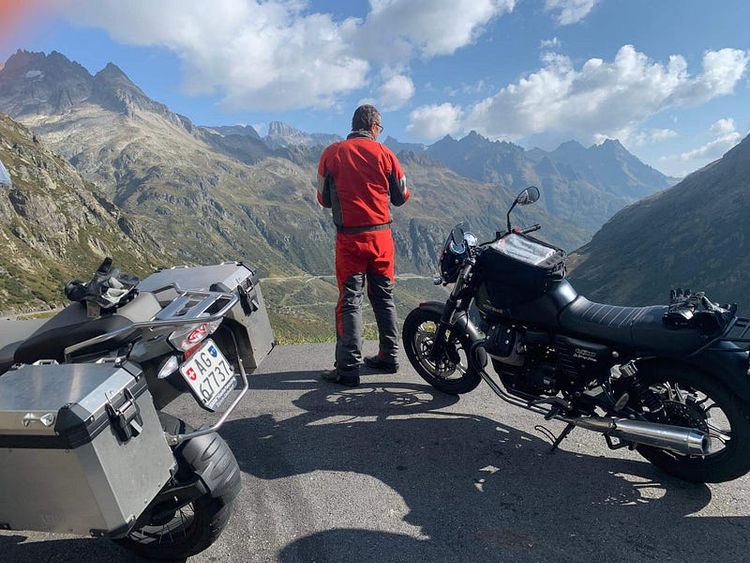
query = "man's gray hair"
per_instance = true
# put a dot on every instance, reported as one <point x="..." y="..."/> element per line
<point x="365" y="117"/>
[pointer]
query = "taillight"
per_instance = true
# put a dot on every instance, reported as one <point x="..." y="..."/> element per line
<point x="188" y="338"/>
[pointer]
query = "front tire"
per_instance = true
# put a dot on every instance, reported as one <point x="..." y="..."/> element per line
<point x="694" y="399"/>
<point x="193" y="527"/>
<point x="452" y="373"/>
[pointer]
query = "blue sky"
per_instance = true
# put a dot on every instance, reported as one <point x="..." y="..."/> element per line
<point x="669" y="78"/>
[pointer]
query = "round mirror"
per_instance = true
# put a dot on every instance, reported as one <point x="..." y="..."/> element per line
<point x="528" y="196"/>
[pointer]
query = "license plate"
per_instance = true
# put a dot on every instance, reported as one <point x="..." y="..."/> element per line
<point x="209" y="375"/>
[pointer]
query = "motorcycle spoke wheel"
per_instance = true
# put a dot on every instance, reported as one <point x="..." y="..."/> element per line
<point x="451" y="372"/>
<point x="693" y="399"/>
<point x="445" y="367"/>
<point x="168" y="532"/>
<point x="692" y="408"/>
<point x="181" y="533"/>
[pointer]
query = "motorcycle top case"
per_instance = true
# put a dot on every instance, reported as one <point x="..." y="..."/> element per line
<point x="81" y="448"/>
<point x="517" y="269"/>
<point x="249" y="318"/>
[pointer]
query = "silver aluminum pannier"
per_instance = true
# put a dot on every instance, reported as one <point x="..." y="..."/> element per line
<point x="81" y="448"/>
<point x="248" y="319"/>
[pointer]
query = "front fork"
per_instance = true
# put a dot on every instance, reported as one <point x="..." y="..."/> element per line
<point x="446" y="319"/>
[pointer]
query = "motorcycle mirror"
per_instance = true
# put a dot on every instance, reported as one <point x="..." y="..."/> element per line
<point x="528" y="196"/>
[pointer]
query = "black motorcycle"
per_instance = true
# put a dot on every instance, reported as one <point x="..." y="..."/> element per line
<point x="669" y="381"/>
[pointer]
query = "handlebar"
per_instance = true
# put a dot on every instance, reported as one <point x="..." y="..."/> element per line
<point x="531" y="229"/>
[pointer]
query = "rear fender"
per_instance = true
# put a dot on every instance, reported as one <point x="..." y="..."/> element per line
<point x="725" y="362"/>
<point x="461" y="321"/>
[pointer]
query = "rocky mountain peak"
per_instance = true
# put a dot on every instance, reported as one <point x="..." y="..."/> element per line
<point x="115" y="91"/>
<point x="695" y="234"/>
<point x="398" y="147"/>
<point x="235" y="130"/>
<point x="282" y="135"/>
<point x="33" y="83"/>
<point x="281" y="129"/>
<point x="613" y="146"/>
<point x="112" y="71"/>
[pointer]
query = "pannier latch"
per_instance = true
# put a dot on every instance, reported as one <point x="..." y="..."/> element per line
<point x="249" y="304"/>
<point x="126" y="419"/>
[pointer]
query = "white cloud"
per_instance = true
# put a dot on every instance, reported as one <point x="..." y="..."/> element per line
<point x="434" y="121"/>
<point x="278" y="54"/>
<point x="569" y="11"/>
<point x="721" y="71"/>
<point x="650" y="136"/>
<point x="553" y="43"/>
<point x="725" y="137"/>
<point x="395" y="30"/>
<point x="395" y="92"/>
<point x="722" y="127"/>
<point x="602" y="99"/>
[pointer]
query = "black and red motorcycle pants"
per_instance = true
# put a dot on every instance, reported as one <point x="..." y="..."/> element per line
<point x="365" y="258"/>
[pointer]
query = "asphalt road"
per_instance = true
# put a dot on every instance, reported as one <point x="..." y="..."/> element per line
<point x="392" y="471"/>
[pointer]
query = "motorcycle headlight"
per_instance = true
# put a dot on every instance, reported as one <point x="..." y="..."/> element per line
<point x="450" y="264"/>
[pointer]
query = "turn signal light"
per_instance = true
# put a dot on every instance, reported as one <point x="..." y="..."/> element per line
<point x="168" y="367"/>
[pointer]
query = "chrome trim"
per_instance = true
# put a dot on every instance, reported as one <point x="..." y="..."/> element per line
<point x="685" y="441"/>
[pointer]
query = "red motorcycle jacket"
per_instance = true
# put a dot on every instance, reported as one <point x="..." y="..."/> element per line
<point x="358" y="179"/>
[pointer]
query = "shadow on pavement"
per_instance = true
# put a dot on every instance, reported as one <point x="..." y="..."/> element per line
<point x="478" y="489"/>
<point x="80" y="550"/>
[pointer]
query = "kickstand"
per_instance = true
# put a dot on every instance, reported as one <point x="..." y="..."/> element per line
<point x="564" y="434"/>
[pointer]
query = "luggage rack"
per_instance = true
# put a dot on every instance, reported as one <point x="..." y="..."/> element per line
<point x="189" y="307"/>
<point x="737" y="332"/>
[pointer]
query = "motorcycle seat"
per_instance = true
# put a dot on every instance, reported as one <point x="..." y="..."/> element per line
<point x="72" y="326"/>
<point x="12" y="334"/>
<point x="7" y="356"/>
<point x="636" y="328"/>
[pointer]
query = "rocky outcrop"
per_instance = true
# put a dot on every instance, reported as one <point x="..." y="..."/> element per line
<point x="55" y="226"/>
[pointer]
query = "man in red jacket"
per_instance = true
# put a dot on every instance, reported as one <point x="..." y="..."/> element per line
<point x="358" y="179"/>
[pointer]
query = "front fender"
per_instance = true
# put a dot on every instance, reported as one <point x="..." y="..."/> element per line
<point x="212" y="460"/>
<point x="460" y="320"/>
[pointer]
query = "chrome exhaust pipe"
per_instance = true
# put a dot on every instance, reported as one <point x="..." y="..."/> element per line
<point x="685" y="441"/>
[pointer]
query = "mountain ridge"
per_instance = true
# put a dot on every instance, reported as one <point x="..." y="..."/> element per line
<point x="694" y="235"/>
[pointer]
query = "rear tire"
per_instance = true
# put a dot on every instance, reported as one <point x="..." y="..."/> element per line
<point x="452" y="374"/>
<point x="728" y="416"/>
<point x="192" y="529"/>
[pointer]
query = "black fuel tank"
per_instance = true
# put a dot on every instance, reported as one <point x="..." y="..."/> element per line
<point x="542" y="311"/>
<point x="516" y="269"/>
